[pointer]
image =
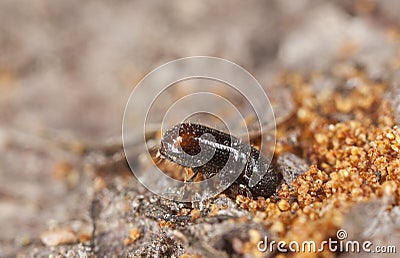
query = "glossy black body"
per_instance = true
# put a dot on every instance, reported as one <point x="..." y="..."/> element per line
<point x="188" y="136"/>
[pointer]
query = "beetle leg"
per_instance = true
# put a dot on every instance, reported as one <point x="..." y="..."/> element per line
<point x="193" y="177"/>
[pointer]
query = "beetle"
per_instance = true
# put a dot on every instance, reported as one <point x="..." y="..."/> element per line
<point x="258" y="177"/>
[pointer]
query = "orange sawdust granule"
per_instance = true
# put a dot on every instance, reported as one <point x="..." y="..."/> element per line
<point x="348" y="135"/>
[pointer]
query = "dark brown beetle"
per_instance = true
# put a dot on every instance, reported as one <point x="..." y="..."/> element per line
<point x="258" y="177"/>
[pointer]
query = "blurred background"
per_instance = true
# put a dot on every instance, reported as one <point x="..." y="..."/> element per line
<point x="67" y="69"/>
